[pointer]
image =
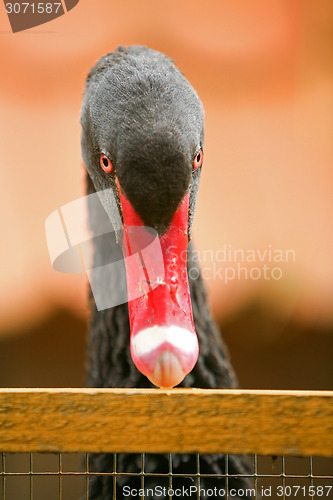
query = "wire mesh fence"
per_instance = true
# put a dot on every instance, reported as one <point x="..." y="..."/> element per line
<point x="66" y="476"/>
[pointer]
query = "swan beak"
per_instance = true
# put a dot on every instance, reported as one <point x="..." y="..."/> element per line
<point x="163" y="341"/>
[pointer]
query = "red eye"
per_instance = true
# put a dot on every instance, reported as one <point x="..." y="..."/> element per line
<point x="197" y="162"/>
<point x="106" y="164"/>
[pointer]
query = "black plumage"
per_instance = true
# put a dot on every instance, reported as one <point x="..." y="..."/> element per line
<point x="140" y="110"/>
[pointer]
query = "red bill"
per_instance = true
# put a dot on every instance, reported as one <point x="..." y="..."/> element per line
<point x="164" y="344"/>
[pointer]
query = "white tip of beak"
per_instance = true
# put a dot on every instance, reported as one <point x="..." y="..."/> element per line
<point x="165" y="354"/>
<point x="168" y="371"/>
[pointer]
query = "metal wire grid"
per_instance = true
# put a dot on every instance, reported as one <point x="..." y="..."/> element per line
<point x="313" y="483"/>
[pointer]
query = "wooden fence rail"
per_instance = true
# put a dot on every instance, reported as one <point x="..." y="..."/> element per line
<point x="167" y="421"/>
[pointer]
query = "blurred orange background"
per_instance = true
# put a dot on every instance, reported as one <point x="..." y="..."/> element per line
<point x="264" y="73"/>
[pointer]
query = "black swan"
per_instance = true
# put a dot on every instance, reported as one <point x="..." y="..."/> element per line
<point x="142" y="141"/>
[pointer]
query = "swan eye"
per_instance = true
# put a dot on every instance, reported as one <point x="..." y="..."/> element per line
<point x="197" y="162"/>
<point x="106" y="164"/>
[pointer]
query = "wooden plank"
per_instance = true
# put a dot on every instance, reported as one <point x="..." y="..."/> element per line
<point x="160" y="421"/>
